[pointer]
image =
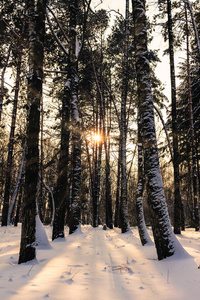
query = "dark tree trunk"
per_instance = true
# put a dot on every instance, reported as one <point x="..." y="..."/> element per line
<point x="123" y="204"/>
<point x="162" y="232"/>
<point x="61" y="194"/>
<point x="75" y="213"/>
<point x="117" y="201"/>
<point x="192" y="137"/>
<point x="109" y="214"/>
<point x="177" y="192"/>
<point x="36" y="25"/>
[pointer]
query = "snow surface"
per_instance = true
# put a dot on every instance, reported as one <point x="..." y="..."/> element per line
<point x="97" y="264"/>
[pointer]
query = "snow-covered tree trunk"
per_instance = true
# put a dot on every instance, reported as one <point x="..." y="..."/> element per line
<point x="36" y="23"/>
<point x="123" y="205"/>
<point x="61" y="194"/>
<point x="162" y="231"/>
<point x="74" y="220"/>
<point x="144" y="236"/>
<point x="177" y="193"/>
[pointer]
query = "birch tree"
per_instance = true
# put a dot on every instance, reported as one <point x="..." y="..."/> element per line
<point x="74" y="220"/>
<point x="165" y="241"/>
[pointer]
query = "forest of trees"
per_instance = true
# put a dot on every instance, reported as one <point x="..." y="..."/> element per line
<point x="83" y="140"/>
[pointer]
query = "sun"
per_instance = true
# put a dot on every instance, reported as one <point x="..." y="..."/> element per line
<point x="96" y="137"/>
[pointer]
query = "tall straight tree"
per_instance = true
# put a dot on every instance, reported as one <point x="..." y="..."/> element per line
<point x="36" y="29"/>
<point x="61" y="191"/>
<point x="178" y="206"/>
<point x="75" y="214"/>
<point x="123" y="205"/>
<point x="192" y="135"/>
<point x="164" y="238"/>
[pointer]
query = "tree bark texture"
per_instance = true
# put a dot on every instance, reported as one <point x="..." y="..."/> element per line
<point x="123" y="204"/>
<point x="75" y="214"/>
<point x="162" y="232"/>
<point x="177" y="192"/>
<point x="36" y="19"/>
<point x="144" y="236"/>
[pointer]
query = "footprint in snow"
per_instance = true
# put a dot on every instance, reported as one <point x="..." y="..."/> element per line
<point x="69" y="281"/>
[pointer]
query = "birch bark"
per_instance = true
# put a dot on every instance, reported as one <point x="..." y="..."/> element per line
<point x="162" y="231"/>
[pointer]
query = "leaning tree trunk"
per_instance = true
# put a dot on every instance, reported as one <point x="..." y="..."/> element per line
<point x="12" y="134"/>
<point x="177" y="192"/>
<point x="61" y="194"/>
<point x="36" y="23"/>
<point x="75" y="213"/>
<point x="144" y="236"/>
<point x="123" y="205"/>
<point x="164" y="238"/>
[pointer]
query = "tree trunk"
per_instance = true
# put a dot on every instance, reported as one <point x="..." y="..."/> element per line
<point x="192" y="137"/>
<point x="117" y="201"/>
<point x="123" y="204"/>
<point x="36" y="54"/>
<point x="144" y="236"/>
<point x="177" y="192"/>
<point x="61" y="194"/>
<point x="109" y="214"/>
<point x="75" y="214"/>
<point x="162" y="232"/>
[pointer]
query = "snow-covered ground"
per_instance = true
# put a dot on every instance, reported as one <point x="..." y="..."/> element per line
<point x="98" y="264"/>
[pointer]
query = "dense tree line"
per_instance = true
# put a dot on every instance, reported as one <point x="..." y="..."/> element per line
<point x="82" y="143"/>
